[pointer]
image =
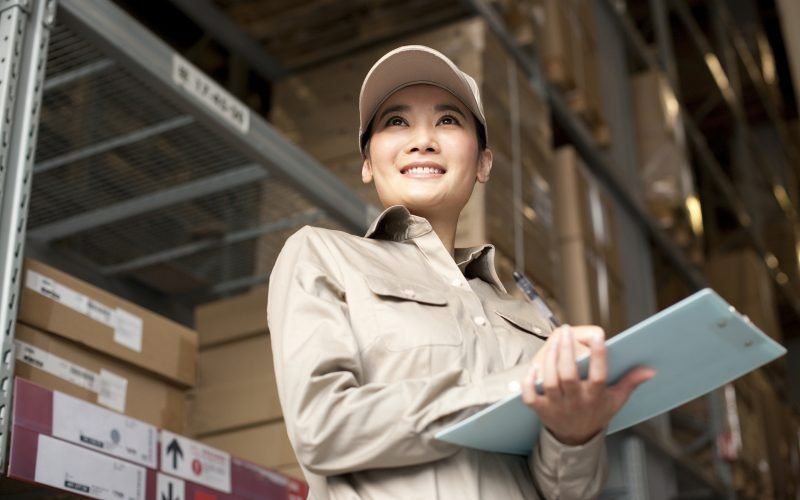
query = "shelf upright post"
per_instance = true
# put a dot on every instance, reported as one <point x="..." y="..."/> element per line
<point x="25" y="29"/>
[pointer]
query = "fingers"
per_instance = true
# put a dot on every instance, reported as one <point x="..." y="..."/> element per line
<point x="598" y="363"/>
<point x="585" y="334"/>
<point x="552" y="386"/>
<point x="567" y="369"/>
<point x="529" y="386"/>
<point x="621" y="391"/>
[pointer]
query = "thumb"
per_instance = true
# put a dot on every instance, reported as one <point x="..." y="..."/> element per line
<point x="621" y="391"/>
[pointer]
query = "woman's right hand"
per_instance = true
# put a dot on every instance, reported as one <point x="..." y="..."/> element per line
<point x="573" y="409"/>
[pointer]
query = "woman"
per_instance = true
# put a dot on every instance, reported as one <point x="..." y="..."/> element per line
<point x="380" y="341"/>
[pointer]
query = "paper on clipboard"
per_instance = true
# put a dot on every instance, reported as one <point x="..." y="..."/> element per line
<point x="696" y="346"/>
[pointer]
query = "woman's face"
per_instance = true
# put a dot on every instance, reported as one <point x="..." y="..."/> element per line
<point x="423" y="152"/>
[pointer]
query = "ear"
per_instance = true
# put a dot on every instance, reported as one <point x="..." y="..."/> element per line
<point x="366" y="171"/>
<point x="484" y="165"/>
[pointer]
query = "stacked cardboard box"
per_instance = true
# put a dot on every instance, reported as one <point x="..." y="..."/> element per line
<point x="742" y="279"/>
<point x="765" y="465"/>
<point x="666" y="176"/>
<point x="235" y="406"/>
<point x="78" y="339"/>
<point x="590" y="266"/>
<point x="563" y="35"/>
<point x="71" y="445"/>
<point x="318" y="110"/>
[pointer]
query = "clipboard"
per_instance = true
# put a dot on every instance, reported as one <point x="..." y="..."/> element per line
<point x="696" y="345"/>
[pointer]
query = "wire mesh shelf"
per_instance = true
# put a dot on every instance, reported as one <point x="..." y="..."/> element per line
<point x="128" y="177"/>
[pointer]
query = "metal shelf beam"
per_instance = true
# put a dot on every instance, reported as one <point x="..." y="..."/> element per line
<point x="132" y="46"/>
<point x="148" y="203"/>
<point x="116" y="142"/>
<point x="210" y="244"/>
<point x="585" y="145"/>
<point x="706" y="158"/>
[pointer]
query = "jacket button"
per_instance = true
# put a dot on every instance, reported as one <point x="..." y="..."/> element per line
<point x="456" y="282"/>
<point x="479" y="320"/>
<point x="409" y="292"/>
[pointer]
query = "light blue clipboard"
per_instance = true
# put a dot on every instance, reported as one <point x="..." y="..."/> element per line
<point x="696" y="346"/>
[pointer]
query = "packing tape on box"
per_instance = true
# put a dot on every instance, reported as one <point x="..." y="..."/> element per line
<point x="127" y="327"/>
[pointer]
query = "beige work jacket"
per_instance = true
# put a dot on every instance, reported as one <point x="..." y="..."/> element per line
<point x="381" y="341"/>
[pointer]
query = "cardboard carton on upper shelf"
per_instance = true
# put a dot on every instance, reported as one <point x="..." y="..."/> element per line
<point x="232" y="318"/>
<point x="236" y="387"/>
<point x="266" y="445"/>
<point x="61" y="304"/>
<point x="587" y="237"/>
<point x="63" y="365"/>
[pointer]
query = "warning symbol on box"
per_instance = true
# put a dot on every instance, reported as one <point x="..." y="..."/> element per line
<point x="195" y="462"/>
<point x="170" y="488"/>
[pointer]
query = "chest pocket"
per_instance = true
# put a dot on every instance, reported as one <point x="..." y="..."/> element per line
<point x="530" y="326"/>
<point x="411" y="315"/>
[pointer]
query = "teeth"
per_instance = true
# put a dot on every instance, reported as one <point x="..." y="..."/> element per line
<point x="424" y="170"/>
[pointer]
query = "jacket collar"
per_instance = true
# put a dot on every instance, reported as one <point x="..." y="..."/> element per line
<point x="396" y="223"/>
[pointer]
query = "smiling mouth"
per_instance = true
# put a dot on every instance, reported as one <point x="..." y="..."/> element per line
<point x="423" y="171"/>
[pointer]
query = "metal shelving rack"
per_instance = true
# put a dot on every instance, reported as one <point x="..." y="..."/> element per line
<point x="140" y="161"/>
<point x="616" y="34"/>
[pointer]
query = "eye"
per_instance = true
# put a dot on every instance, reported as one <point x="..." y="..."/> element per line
<point x="448" y="120"/>
<point x="395" y="121"/>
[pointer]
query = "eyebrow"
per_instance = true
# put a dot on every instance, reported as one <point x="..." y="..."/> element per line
<point x="405" y="108"/>
<point x="448" y="107"/>
<point x="399" y="108"/>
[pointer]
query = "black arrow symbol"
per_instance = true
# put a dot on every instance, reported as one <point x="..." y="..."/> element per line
<point x="176" y="451"/>
<point x="170" y="497"/>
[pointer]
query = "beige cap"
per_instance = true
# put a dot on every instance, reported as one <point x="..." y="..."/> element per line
<point x="411" y="65"/>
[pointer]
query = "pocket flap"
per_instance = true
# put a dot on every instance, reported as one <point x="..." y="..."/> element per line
<point x="524" y="324"/>
<point x="405" y="290"/>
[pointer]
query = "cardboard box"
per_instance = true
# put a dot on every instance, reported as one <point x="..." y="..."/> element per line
<point x="232" y="318"/>
<point x="266" y="445"/>
<point x="590" y="269"/>
<point x="63" y="365"/>
<point x="56" y="302"/>
<point x="72" y="445"/>
<point x="666" y="176"/>
<point x="236" y="387"/>
<point x="742" y="279"/>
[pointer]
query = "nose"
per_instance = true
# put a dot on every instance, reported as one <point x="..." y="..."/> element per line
<point x="423" y="140"/>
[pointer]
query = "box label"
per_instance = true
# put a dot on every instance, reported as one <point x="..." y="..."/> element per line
<point x="170" y="488"/>
<point x="207" y="91"/>
<point x="71" y="468"/>
<point x="55" y="365"/>
<point x="195" y="461"/>
<point x="103" y="430"/>
<point x="112" y="390"/>
<point x="127" y="327"/>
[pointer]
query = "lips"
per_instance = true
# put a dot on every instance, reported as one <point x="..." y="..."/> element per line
<point x="426" y="168"/>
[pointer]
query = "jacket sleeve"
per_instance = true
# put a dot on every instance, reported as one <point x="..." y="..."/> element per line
<point x="569" y="472"/>
<point x="337" y="422"/>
